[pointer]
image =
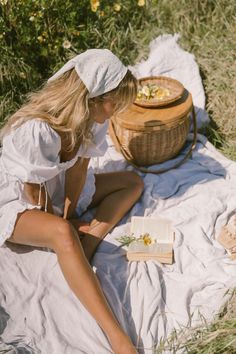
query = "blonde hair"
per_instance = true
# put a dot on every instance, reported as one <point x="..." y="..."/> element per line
<point x="64" y="104"/>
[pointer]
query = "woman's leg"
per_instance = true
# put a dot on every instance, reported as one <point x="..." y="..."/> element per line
<point x="37" y="228"/>
<point x="116" y="193"/>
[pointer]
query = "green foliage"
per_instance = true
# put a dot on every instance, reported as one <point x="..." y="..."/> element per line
<point x="37" y="36"/>
<point x="126" y="240"/>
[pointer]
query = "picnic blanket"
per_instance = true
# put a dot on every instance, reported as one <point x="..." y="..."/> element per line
<point x="40" y="314"/>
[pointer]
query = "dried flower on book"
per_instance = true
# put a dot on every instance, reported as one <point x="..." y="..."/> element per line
<point x="126" y="240"/>
<point x="146" y="239"/>
<point x="150" y="239"/>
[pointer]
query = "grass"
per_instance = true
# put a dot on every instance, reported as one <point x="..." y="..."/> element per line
<point x="208" y="30"/>
<point x="217" y="337"/>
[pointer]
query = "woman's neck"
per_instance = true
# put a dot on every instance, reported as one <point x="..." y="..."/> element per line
<point x="66" y="155"/>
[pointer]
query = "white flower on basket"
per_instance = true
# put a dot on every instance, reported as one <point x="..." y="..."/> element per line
<point x="146" y="90"/>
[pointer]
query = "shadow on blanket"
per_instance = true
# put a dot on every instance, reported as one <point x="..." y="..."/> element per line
<point x="23" y="248"/>
<point x="7" y="347"/>
<point x="113" y="271"/>
<point x="199" y="169"/>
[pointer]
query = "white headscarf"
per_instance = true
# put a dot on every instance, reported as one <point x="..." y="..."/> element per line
<point x="99" y="69"/>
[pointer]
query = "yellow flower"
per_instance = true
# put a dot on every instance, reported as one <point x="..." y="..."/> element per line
<point x="3" y="2"/>
<point x="32" y="18"/>
<point x="94" y="5"/>
<point x="117" y="7"/>
<point x="40" y="39"/>
<point x="101" y="14"/>
<point x="22" y="75"/>
<point x="66" y="44"/>
<point x="76" y="33"/>
<point x="147" y="240"/>
<point x="141" y="2"/>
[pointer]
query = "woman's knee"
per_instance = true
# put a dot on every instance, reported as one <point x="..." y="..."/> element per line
<point x="135" y="182"/>
<point x="63" y="238"/>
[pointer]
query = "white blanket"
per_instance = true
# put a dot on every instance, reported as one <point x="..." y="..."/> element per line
<point x="39" y="313"/>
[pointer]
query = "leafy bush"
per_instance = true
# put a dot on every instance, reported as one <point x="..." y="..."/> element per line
<point x="37" y="36"/>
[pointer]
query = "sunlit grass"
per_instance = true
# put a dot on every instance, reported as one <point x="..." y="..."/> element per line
<point x="216" y="337"/>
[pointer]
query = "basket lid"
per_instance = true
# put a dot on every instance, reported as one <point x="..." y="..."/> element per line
<point x="136" y="117"/>
<point x="155" y="91"/>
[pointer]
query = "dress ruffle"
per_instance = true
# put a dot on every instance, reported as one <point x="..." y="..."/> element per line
<point x="7" y="227"/>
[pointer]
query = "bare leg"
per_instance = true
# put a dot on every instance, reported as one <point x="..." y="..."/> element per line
<point x="115" y="194"/>
<point x="37" y="228"/>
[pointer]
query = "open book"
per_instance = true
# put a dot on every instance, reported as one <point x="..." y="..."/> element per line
<point x="154" y="239"/>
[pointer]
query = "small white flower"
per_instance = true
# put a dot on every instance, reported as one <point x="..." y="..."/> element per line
<point x="66" y="44"/>
<point x="146" y="90"/>
<point x="22" y="75"/>
<point x="40" y="39"/>
<point x="117" y="7"/>
<point x="141" y="2"/>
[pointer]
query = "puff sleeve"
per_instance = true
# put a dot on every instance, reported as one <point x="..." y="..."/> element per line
<point x="30" y="152"/>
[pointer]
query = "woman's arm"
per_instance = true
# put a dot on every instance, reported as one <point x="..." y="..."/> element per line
<point x="37" y="197"/>
<point x="74" y="183"/>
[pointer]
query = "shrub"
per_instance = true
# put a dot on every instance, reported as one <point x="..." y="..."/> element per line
<point x="37" y="36"/>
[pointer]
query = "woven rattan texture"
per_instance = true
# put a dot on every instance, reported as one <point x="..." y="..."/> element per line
<point x="151" y="147"/>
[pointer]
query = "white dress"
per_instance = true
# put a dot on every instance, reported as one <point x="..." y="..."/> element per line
<point x="30" y="153"/>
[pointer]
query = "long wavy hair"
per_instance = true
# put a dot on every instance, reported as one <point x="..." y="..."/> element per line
<point x="64" y="104"/>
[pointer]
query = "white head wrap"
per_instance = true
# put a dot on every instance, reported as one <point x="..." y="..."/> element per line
<point x="99" y="69"/>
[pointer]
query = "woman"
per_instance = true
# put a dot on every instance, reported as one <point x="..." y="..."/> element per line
<point x="46" y="146"/>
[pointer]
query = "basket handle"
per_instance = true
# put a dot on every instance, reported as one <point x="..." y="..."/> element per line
<point x="145" y="170"/>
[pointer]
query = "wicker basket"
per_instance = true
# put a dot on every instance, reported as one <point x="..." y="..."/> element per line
<point x="147" y="136"/>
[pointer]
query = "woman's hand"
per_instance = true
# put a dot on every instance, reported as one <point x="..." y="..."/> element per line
<point x="74" y="182"/>
<point x="81" y="226"/>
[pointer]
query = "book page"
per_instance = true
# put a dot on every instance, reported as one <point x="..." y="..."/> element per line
<point x="156" y="248"/>
<point x="158" y="228"/>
